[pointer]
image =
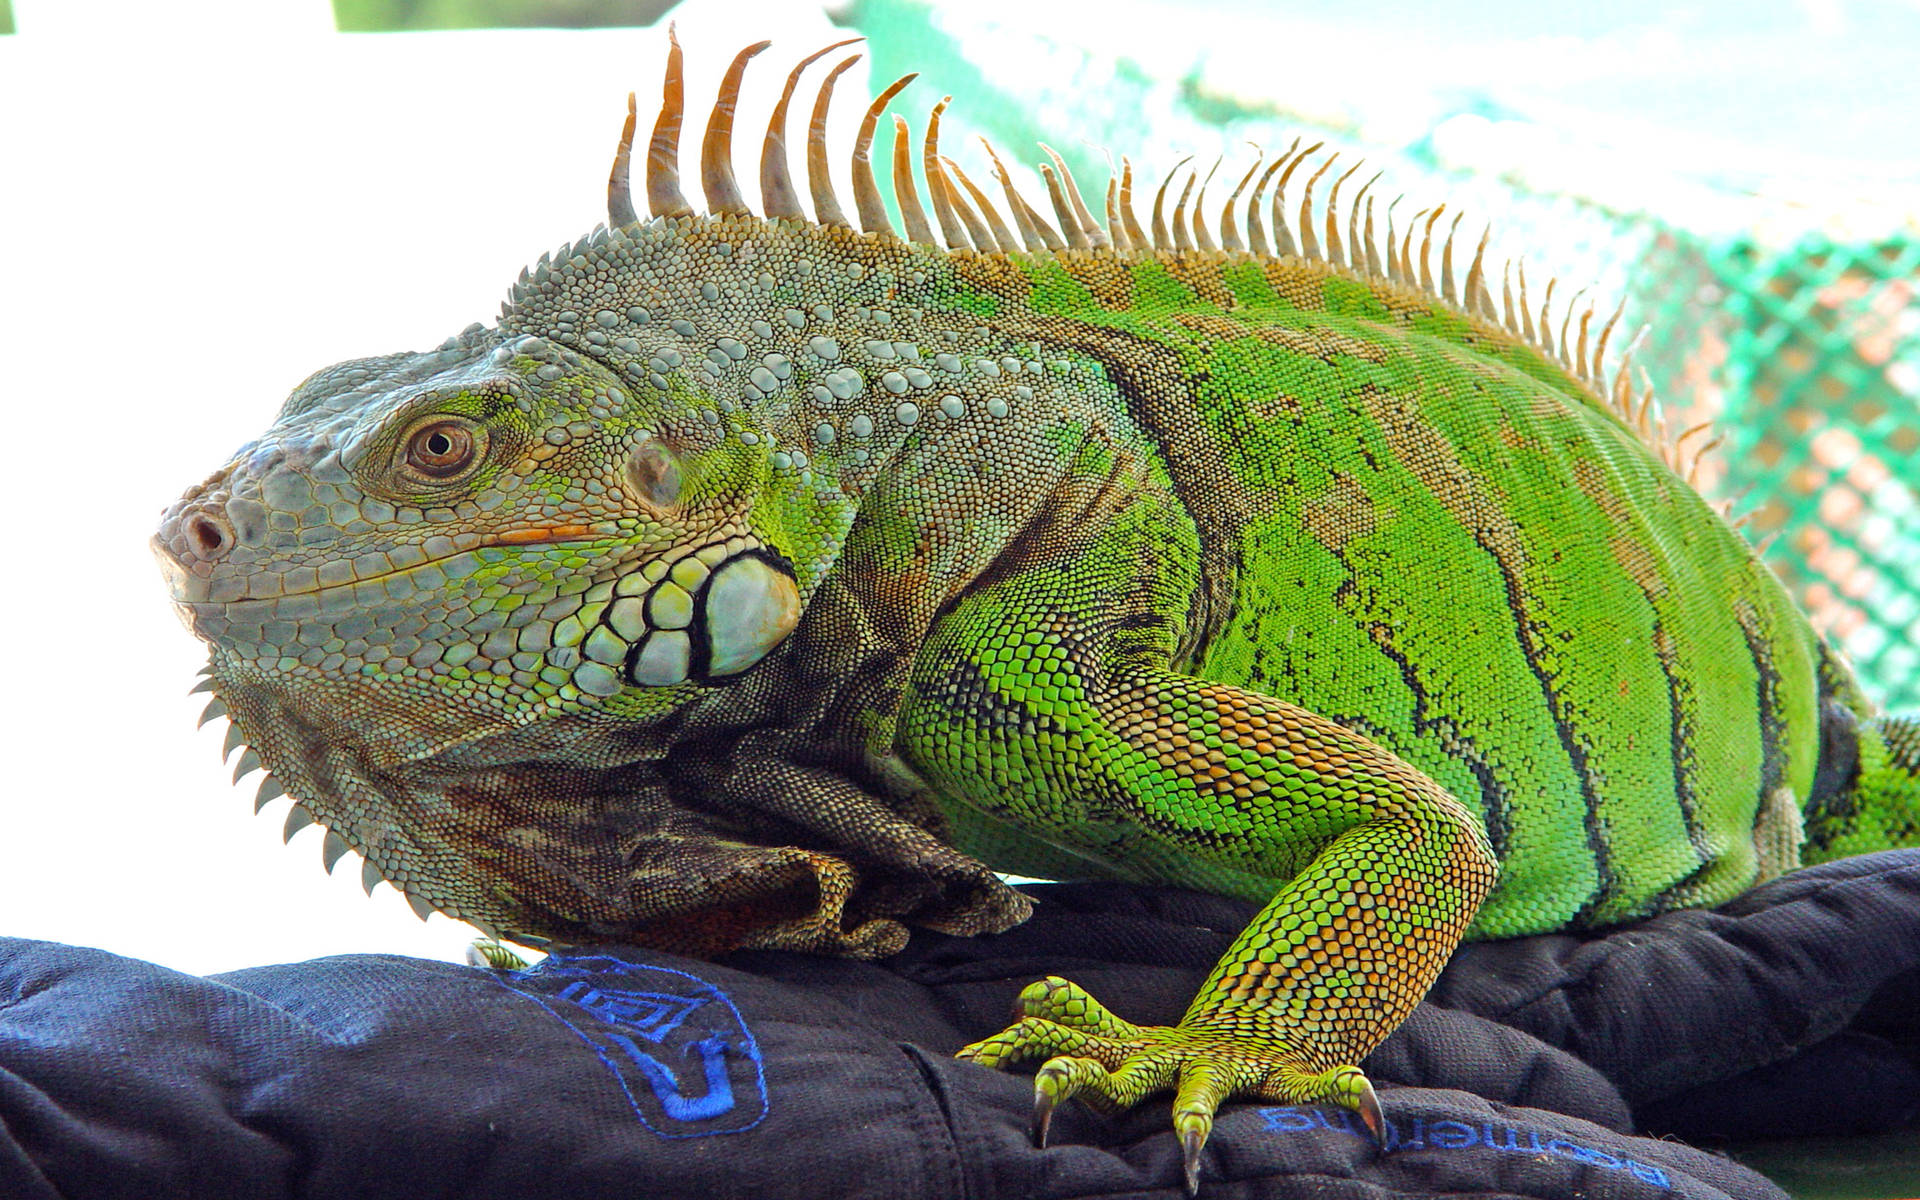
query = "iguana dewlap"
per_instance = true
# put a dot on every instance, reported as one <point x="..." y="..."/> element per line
<point x="760" y="582"/>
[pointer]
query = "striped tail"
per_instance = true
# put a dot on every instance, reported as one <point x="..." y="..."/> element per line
<point x="1874" y="802"/>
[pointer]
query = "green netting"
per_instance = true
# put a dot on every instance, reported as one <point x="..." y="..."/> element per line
<point x="1808" y="356"/>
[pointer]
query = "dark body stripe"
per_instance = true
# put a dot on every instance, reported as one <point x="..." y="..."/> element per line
<point x="1767" y="700"/>
<point x="1444" y="550"/>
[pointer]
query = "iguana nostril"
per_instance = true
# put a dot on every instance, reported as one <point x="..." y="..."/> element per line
<point x="209" y="535"/>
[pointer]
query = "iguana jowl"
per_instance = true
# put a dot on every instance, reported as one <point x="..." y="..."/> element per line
<point x="760" y="582"/>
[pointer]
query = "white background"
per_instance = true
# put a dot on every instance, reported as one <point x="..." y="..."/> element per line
<point x="199" y="207"/>
<point x="193" y="221"/>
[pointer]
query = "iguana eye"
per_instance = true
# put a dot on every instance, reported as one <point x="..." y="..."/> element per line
<point x="654" y="474"/>
<point x="442" y="449"/>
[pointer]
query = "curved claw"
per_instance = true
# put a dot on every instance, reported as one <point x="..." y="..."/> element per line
<point x="1368" y="1106"/>
<point x="1201" y="1091"/>
<point x="1190" y="1144"/>
<point x="1044" y="1102"/>
<point x="1350" y="1089"/>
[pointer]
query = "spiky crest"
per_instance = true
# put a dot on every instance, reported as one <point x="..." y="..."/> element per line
<point x="663" y="150"/>
<point x="716" y="149"/>
<point x="971" y="223"/>
<point x="777" y="196"/>
<point x="826" y="206"/>
<point x="1229" y="227"/>
<point x="912" y="215"/>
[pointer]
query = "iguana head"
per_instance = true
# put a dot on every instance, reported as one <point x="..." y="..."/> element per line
<point x="492" y="533"/>
<point x="443" y="586"/>
<point x="458" y="599"/>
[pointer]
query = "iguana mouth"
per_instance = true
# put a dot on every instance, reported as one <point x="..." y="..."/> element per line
<point x="189" y="588"/>
<point x="543" y="535"/>
<point x="703" y="615"/>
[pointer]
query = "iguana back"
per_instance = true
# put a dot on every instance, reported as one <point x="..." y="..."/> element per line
<point x="1445" y="537"/>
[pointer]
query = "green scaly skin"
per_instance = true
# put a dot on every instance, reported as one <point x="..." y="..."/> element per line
<point x="761" y="583"/>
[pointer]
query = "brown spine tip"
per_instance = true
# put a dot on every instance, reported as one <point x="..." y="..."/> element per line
<point x="1029" y="237"/>
<point x="1358" y="246"/>
<point x="1622" y="393"/>
<point x="1446" y="263"/>
<point x="1115" y="231"/>
<point x="1479" y="299"/>
<point x="1136" y="236"/>
<point x="1256" y="225"/>
<point x="1395" y="268"/>
<point x="1335" y="252"/>
<point x="1526" y="307"/>
<point x="1546" y="309"/>
<point x="978" y="235"/>
<point x="1566" y="319"/>
<point x="1229" y="227"/>
<point x="1407" y="274"/>
<point x="1001" y="236"/>
<point x="1693" y="471"/>
<point x="1624" y="372"/>
<point x="1374" y="266"/>
<point x="1161" y="240"/>
<point x="1076" y="237"/>
<point x="1201" y="238"/>
<point x="1691" y="432"/>
<point x="619" y="186"/>
<point x="826" y="206"/>
<point x="866" y="192"/>
<point x="912" y="215"/>
<point x="1606" y="332"/>
<point x="716" y="149"/>
<point x="1035" y="234"/>
<point x="663" y="149"/>
<point x="778" y="199"/>
<point x="1309" y="241"/>
<point x="1095" y="236"/>
<point x="1183" y="240"/>
<point x="1619" y="393"/>
<point x="1282" y="237"/>
<point x="939" y="191"/>
<point x="1426" y="250"/>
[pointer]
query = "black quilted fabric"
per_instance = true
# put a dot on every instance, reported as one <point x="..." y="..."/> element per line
<point x="1547" y="1067"/>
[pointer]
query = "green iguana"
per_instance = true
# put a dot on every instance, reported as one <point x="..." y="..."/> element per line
<point x="757" y="582"/>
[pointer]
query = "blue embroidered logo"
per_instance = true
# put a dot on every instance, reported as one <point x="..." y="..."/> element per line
<point x="675" y="1044"/>
<point x="1421" y="1134"/>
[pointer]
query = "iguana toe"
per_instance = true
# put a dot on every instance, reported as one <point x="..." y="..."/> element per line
<point x="1055" y="1081"/>
<point x="494" y="955"/>
<point x="1066" y="1003"/>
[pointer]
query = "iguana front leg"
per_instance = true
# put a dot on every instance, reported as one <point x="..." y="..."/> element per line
<point x="1020" y="713"/>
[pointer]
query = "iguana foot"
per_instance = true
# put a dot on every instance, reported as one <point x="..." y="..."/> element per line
<point x="1111" y="1064"/>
